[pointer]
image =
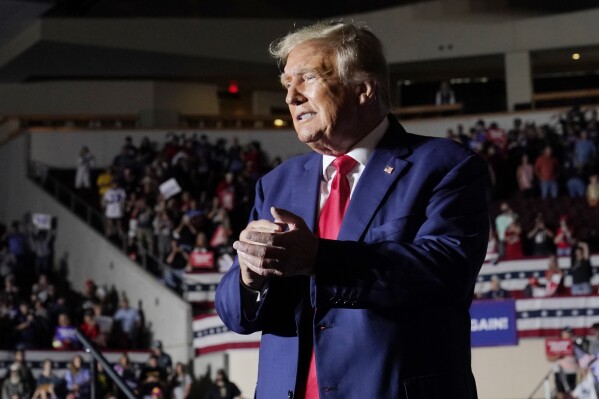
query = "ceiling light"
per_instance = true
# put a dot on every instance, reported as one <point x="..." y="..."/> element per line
<point x="575" y="56"/>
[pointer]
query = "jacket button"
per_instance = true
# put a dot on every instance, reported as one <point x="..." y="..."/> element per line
<point x="290" y="394"/>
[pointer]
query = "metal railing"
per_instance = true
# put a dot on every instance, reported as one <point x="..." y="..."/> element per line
<point x="97" y="357"/>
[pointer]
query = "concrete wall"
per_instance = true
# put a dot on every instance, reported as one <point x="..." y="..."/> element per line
<point x="105" y="144"/>
<point x="506" y="372"/>
<point x="89" y="255"/>
<point x="105" y="97"/>
<point x="264" y="101"/>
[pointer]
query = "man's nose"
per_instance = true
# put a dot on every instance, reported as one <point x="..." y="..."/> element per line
<point x="294" y="95"/>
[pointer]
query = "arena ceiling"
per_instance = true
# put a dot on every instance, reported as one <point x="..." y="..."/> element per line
<point x="64" y="61"/>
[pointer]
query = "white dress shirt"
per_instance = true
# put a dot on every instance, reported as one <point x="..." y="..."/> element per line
<point x="361" y="152"/>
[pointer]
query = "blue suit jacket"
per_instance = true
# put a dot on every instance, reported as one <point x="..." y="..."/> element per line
<point x="392" y="294"/>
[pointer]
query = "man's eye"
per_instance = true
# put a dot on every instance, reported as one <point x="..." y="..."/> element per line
<point x="309" y="77"/>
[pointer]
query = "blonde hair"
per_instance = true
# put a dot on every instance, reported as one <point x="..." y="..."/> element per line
<point x="360" y="54"/>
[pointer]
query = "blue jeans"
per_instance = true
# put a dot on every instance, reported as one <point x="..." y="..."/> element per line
<point x="582" y="289"/>
<point x="549" y="187"/>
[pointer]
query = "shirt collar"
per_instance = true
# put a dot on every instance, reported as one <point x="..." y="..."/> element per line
<point x="364" y="149"/>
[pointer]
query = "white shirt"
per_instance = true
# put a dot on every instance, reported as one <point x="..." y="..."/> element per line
<point x="361" y="152"/>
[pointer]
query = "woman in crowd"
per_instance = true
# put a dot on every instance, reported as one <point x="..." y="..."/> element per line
<point x="77" y="379"/>
<point x="513" y="244"/>
<point x="46" y="382"/>
<point x="525" y="177"/>
<point x="180" y="382"/>
<point x="222" y="388"/>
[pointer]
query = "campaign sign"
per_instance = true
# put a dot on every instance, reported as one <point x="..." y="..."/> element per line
<point x="201" y="260"/>
<point x="170" y="188"/>
<point x="493" y="323"/>
<point x="42" y="221"/>
<point x="558" y="347"/>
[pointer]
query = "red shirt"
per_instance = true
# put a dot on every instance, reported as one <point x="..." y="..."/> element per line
<point x="546" y="168"/>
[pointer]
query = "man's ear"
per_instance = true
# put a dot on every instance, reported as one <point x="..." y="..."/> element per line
<point x="366" y="92"/>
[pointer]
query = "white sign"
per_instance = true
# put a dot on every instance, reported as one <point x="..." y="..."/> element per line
<point x="42" y="221"/>
<point x="170" y="188"/>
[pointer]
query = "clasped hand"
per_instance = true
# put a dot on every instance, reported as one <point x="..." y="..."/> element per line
<point x="285" y="247"/>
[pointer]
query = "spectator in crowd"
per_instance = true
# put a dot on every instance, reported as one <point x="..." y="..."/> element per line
<point x="513" y="243"/>
<point x="185" y="233"/>
<point x="163" y="226"/>
<point x="495" y="290"/>
<point x="180" y="382"/>
<point x="502" y="221"/>
<point x="200" y="258"/>
<point x="125" y="371"/>
<point x="130" y="321"/>
<point x="581" y="270"/>
<point x="176" y="262"/>
<point x="574" y="180"/>
<point x="592" y="191"/>
<point x="41" y="243"/>
<point x="554" y="277"/>
<point x="103" y="321"/>
<point x="25" y="327"/>
<point x="525" y="177"/>
<point x="163" y="359"/>
<point x="150" y="377"/>
<point x="584" y="153"/>
<point x="17" y="245"/>
<point x="8" y="261"/>
<point x="222" y="388"/>
<point x="594" y="340"/>
<point x="14" y="384"/>
<point x="445" y="94"/>
<point x="46" y="382"/>
<point x="564" y="237"/>
<point x="104" y="181"/>
<point x="114" y="207"/>
<point x="534" y="289"/>
<point x="65" y="337"/>
<point x="145" y="230"/>
<point x="547" y="171"/>
<point x="78" y="379"/>
<point x="85" y="162"/>
<point x="24" y="370"/>
<point x="226" y="192"/>
<point x="540" y="237"/>
<point x="91" y="329"/>
<point x="566" y="368"/>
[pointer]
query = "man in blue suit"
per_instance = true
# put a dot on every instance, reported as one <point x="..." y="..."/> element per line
<point x="380" y="310"/>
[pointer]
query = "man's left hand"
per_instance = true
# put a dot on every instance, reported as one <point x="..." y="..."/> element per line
<point x="288" y="253"/>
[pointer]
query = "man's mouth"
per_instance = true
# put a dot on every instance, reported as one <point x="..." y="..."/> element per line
<point x="305" y="116"/>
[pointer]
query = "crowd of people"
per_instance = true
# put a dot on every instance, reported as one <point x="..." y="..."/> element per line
<point x="191" y="228"/>
<point x="38" y="307"/>
<point x="157" y="378"/>
<point x="181" y="203"/>
<point x="530" y="160"/>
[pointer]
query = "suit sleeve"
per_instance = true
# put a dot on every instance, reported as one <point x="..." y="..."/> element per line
<point x="239" y="309"/>
<point x="441" y="263"/>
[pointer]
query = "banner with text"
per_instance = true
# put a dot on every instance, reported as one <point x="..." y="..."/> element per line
<point x="493" y="323"/>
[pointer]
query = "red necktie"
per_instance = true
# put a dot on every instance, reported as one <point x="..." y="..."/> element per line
<point x="329" y="224"/>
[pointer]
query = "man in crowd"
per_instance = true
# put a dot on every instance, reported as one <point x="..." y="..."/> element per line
<point x="349" y="294"/>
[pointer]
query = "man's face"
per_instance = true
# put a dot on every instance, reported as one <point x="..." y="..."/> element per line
<point x="324" y="110"/>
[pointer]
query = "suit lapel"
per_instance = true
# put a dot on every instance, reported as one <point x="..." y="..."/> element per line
<point x="383" y="169"/>
<point x="306" y="191"/>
